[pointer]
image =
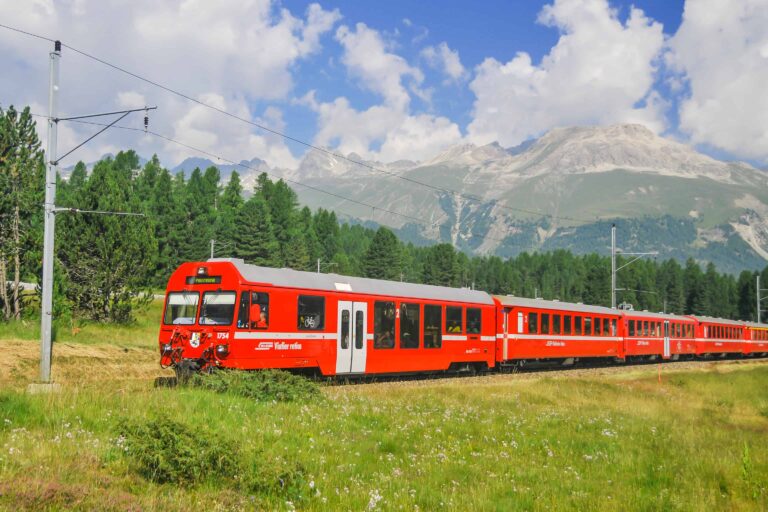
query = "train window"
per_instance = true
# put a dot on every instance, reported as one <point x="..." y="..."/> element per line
<point x="453" y="320"/>
<point x="567" y="324"/>
<point x="181" y="308"/>
<point x="433" y="336"/>
<point x="577" y="325"/>
<point x="253" y="311"/>
<point x="644" y="331"/>
<point x="556" y="324"/>
<point x="218" y="308"/>
<point x="409" y="325"/>
<point x="545" y="323"/>
<point x="345" y="329"/>
<point x="607" y="327"/>
<point x="384" y="325"/>
<point x="311" y="315"/>
<point x="474" y="320"/>
<point x="359" y="329"/>
<point x="596" y="326"/>
<point x="533" y="323"/>
<point x="588" y="326"/>
<point x="613" y="327"/>
<point x="631" y="328"/>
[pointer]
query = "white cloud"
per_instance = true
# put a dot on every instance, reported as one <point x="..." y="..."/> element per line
<point x="243" y="49"/>
<point x="205" y="129"/>
<point x="600" y="71"/>
<point x="445" y="60"/>
<point x="721" y="50"/>
<point x="397" y="134"/>
<point x="388" y="131"/>
<point x="367" y="58"/>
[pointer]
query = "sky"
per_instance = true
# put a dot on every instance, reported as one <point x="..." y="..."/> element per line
<point x="393" y="80"/>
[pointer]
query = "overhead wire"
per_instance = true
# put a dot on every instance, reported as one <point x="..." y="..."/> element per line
<point x="328" y="152"/>
<point x="418" y="220"/>
<point x="463" y="195"/>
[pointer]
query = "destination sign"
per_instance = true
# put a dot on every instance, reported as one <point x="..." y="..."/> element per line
<point x="204" y="280"/>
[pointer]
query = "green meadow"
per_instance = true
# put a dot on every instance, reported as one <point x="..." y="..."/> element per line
<point x="612" y="439"/>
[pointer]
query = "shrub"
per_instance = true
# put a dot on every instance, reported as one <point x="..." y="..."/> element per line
<point x="264" y="385"/>
<point x="276" y="477"/>
<point x="166" y="451"/>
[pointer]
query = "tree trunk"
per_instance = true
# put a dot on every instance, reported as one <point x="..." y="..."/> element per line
<point x="16" y="264"/>
<point x="4" y="289"/>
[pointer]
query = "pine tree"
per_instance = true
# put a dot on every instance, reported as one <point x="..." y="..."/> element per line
<point x="440" y="266"/>
<point x="382" y="260"/>
<point x="254" y="240"/>
<point x="107" y="258"/>
<point x="21" y="193"/>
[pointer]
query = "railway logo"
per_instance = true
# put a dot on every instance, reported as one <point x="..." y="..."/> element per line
<point x="555" y="343"/>
<point x="278" y="345"/>
<point x="194" y="340"/>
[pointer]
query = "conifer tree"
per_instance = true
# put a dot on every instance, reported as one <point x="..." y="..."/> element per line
<point x="254" y="240"/>
<point x="107" y="258"/>
<point x="440" y="266"/>
<point x="382" y="260"/>
<point x="21" y="194"/>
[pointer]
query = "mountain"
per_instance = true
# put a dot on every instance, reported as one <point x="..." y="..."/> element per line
<point x="561" y="190"/>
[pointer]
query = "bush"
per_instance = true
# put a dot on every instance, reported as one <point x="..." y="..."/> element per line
<point x="276" y="477"/>
<point x="264" y="385"/>
<point x="165" y="451"/>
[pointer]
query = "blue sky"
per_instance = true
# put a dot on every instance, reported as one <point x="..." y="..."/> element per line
<point x="400" y="79"/>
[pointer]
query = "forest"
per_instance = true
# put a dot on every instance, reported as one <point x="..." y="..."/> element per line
<point x="107" y="265"/>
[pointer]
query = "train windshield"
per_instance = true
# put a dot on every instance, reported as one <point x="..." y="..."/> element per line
<point x="218" y="308"/>
<point x="181" y="308"/>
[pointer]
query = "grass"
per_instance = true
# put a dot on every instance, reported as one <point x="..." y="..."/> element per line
<point x="595" y="441"/>
<point x="695" y="442"/>
<point x="140" y="333"/>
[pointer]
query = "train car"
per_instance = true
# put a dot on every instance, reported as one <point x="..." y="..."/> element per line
<point x="719" y="337"/>
<point x="225" y="313"/>
<point x="538" y="329"/>
<point x="648" y="336"/>
<point x="757" y="339"/>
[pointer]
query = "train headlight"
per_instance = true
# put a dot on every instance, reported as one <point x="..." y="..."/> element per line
<point x="222" y="350"/>
<point x="166" y="349"/>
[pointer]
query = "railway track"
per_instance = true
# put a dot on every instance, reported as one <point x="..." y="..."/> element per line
<point x="533" y="373"/>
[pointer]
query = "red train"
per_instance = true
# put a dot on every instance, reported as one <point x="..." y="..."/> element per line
<point x="224" y="313"/>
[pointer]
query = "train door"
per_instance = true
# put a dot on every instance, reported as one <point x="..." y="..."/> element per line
<point x="351" y="341"/>
<point x="666" y="339"/>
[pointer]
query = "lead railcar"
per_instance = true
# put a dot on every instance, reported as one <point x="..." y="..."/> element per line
<point x="225" y="313"/>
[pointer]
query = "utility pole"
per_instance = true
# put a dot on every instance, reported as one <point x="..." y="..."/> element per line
<point x="213" y="242"/>
<point x="46" y="307"/>
<point x="613" y="266"/>
<point x="614" y="270"/>
<point x="759" y="299"/>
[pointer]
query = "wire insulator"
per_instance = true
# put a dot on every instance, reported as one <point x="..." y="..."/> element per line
<point x="146" y="122"/>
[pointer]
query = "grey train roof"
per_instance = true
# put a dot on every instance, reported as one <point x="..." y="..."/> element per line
<point x="755" y="325"/>
<point x="709" y="319"/>
<point x="648" y="314"/>
<point x="337" y="283"/>
<point x="508" y="300"/>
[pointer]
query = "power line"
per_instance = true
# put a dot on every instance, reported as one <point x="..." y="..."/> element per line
<point x="469" y="197"/>
<point x="417" y="220"/>
<point x="27" y="33"/>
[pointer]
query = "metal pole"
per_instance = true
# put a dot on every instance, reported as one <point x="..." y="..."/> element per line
<point x="46" y="307"/>
<point x="613" y="266"/>
<point x="318" y="265"/>
<point x="212" y="243"/>
<point x="758" y="298"/>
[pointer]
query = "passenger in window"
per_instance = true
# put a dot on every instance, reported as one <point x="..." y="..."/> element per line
<point x="262" y="322"/>
<point x="386" y="339"/>
<point x="454" y="327"/>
